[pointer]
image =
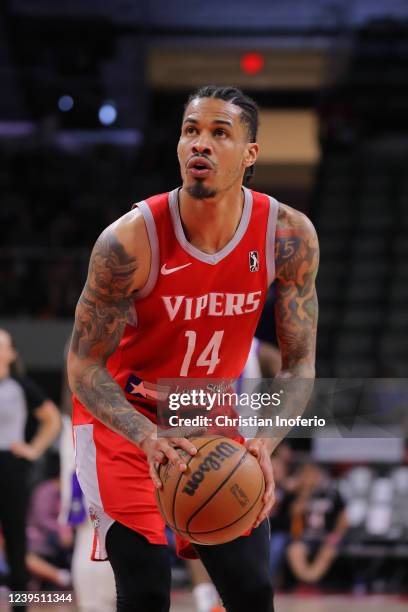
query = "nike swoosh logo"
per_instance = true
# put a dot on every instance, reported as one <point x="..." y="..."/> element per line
<point x="166" y="271"/>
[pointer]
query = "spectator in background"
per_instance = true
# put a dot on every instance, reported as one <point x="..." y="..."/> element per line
<point x="279" y="519"/>
<point x="19" y="397"/>
<point x="318" y="524"/>
<point x="49" y="544"/>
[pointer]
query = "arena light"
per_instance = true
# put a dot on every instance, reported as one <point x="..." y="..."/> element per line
<point x="107" y="113"/>
<point x="65" y="103"/>
<point x="252" y="63"/>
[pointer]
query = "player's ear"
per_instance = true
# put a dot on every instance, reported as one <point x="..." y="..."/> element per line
<point x="251" y="154"/>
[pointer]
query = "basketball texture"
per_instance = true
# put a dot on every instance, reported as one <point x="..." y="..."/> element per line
<point x="218" y="497"/>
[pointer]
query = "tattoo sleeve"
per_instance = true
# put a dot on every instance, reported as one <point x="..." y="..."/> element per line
<point x="296" y="262"/>
<point x="103" y="310"/>
<point x="296" y="310"/>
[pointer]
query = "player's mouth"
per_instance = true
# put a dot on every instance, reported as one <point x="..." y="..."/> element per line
<point x="199" y="167"/>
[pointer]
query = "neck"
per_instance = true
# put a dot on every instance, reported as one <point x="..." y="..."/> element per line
<point x="4" y="371"/>
<point x="210" y="224"/>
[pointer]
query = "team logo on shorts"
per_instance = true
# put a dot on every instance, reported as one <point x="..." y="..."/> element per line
<point x="93" y="515"/>
<point x="253" y="261"/>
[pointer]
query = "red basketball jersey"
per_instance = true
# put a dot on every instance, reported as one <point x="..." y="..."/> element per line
<point x="197" y="314"/>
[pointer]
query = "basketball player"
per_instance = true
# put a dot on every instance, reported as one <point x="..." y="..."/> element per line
<point x="175" y="289"/>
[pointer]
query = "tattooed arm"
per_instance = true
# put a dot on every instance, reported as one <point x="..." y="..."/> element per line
<point x="296" y="309"/>
<point x="118" y="268"/>
<point x="116" y="271"/>
<point x="296" y="262"/>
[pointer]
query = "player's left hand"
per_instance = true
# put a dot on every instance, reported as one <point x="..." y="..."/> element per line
<point x="259" y="449"/>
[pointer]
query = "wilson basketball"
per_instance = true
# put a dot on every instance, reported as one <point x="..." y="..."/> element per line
<point x="218" y="497"/>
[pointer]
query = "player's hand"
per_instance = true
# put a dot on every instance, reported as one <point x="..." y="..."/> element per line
<point x="161" y="450"/>
<point x="258" y="448"/>
<point x="25" y="451"/>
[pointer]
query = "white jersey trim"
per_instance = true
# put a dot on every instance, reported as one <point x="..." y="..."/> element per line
<point x="209" y="258"/>
<point x="154" y="249"/>
<point x="85" y="459"/>
<point x="270" y="239"/>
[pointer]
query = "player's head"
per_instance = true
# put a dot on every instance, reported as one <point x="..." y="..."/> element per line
<point x="8" y="353"/>
<point x="219" y="129"/>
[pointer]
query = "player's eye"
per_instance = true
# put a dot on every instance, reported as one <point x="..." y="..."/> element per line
<point x="190" y="129"/>
<point x="220" y="132"/>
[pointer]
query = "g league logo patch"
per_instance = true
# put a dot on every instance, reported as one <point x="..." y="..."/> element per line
<point x="253" y="261"/>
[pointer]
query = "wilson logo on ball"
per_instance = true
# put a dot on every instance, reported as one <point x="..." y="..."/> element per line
<point x="213" y="461"/>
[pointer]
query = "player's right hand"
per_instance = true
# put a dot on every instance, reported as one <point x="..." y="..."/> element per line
<point x="161" y="450"/>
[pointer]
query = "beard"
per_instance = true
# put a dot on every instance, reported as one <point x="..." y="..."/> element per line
<point x="199" y="191"/>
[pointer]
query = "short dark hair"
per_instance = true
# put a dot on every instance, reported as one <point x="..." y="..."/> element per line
<point x="248" y="106"/>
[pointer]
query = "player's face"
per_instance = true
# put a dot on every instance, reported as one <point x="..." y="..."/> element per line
<point x="213" y="149"/>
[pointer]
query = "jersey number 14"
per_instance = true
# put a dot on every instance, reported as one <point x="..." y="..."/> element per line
<point x="209" y="356"/>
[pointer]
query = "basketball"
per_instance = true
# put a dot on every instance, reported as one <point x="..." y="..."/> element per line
<point x="218" y="497"/>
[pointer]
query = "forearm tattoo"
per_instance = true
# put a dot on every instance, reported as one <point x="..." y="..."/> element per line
<point x="103" y="310"/>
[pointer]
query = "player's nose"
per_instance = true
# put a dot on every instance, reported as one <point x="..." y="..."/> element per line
<point x="201" y="145"/>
